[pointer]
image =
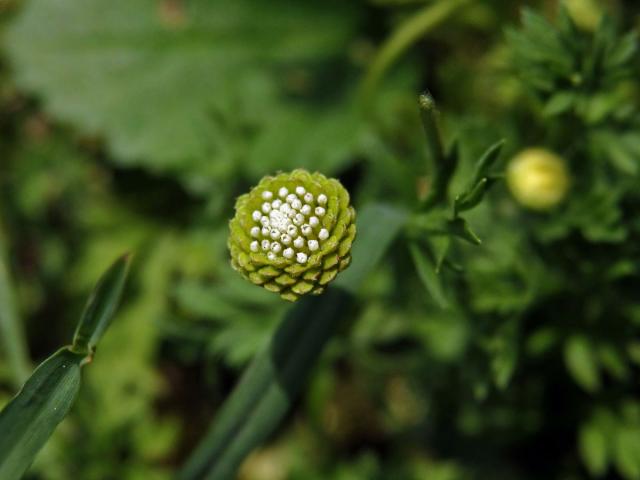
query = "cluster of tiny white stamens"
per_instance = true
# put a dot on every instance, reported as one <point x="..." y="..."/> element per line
<point x="289" y="224"/>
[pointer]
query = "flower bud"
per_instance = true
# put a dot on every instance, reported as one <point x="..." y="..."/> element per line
<point x="538" y="178"/>
<point x="297" y="255"/>
<point x="585" y="13"/>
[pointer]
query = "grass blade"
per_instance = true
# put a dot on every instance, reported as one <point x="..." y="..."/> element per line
<point x="100" y="307"/>
<point x="28" y="421"/>
<point x="273" y="380"/>
<point x="32" y="416"/>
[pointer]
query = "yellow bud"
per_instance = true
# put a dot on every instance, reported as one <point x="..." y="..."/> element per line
<point x="538" y="178"/>
<point x="586" y="13"/>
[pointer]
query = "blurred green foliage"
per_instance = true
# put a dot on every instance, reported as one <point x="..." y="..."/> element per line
<point x="135" y="124"/>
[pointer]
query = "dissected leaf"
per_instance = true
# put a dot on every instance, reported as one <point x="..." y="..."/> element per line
<point x="480" y="182"/>
<point x="460" y="228"/>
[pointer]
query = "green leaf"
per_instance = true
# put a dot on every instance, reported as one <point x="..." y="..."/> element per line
<point x="427" y="273"/>
<point x="101" y="306"/>
<point x="473" y="197"/>
<point x="559" y="102"/>
<point x="268" y="387"/>
<point x="272" y="382"/>
<point x="378" y="226"/>
<point x="440" y="247"/>
<point x="200" y="75"/>
<point x="487" y="161"/>
<point x="613" y="362"/>
<point x="592" y="443"/>
<point x="460" y="228"/>
<point x="627" y="452"/>
<point x="480" y="182"/>
<point x="504" y="353"/>
<point x="30" y="418"/>
<point x="581" y="361"/>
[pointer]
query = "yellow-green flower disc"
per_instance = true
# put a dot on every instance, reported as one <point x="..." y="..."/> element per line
<point x="538" y="178"/>
<point x="292" y="233"/>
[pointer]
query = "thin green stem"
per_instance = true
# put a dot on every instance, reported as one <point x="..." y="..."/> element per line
<point x="406" y="35"/>
<point x="11" y="330"/>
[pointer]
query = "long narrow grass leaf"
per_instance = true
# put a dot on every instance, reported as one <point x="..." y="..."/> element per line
<point x="273" y="380"/>
<point x="28" y="421"/>
<point x="101" y="306"/>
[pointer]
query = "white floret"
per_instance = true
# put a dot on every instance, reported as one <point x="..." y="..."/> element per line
<point x="286" y="239"/>
<point x="291" y="197"/>
<point x="298" y="242"/>
<point x="306" y="230"/>
<point x="285" y="208"/>
<point x="292" y="230"/>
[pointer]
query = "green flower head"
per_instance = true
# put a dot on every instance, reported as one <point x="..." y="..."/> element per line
<point x="292" y="233"/>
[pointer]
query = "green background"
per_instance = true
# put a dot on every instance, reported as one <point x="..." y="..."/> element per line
<point x="132" y="125"/>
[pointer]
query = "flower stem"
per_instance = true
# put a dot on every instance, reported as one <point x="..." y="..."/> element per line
<point x="405" y="36"/>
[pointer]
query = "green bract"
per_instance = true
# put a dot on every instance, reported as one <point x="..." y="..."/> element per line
<point x="292" y="233"/>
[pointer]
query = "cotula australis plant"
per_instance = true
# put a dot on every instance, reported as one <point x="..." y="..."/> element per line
<point x="573" y="177"/>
